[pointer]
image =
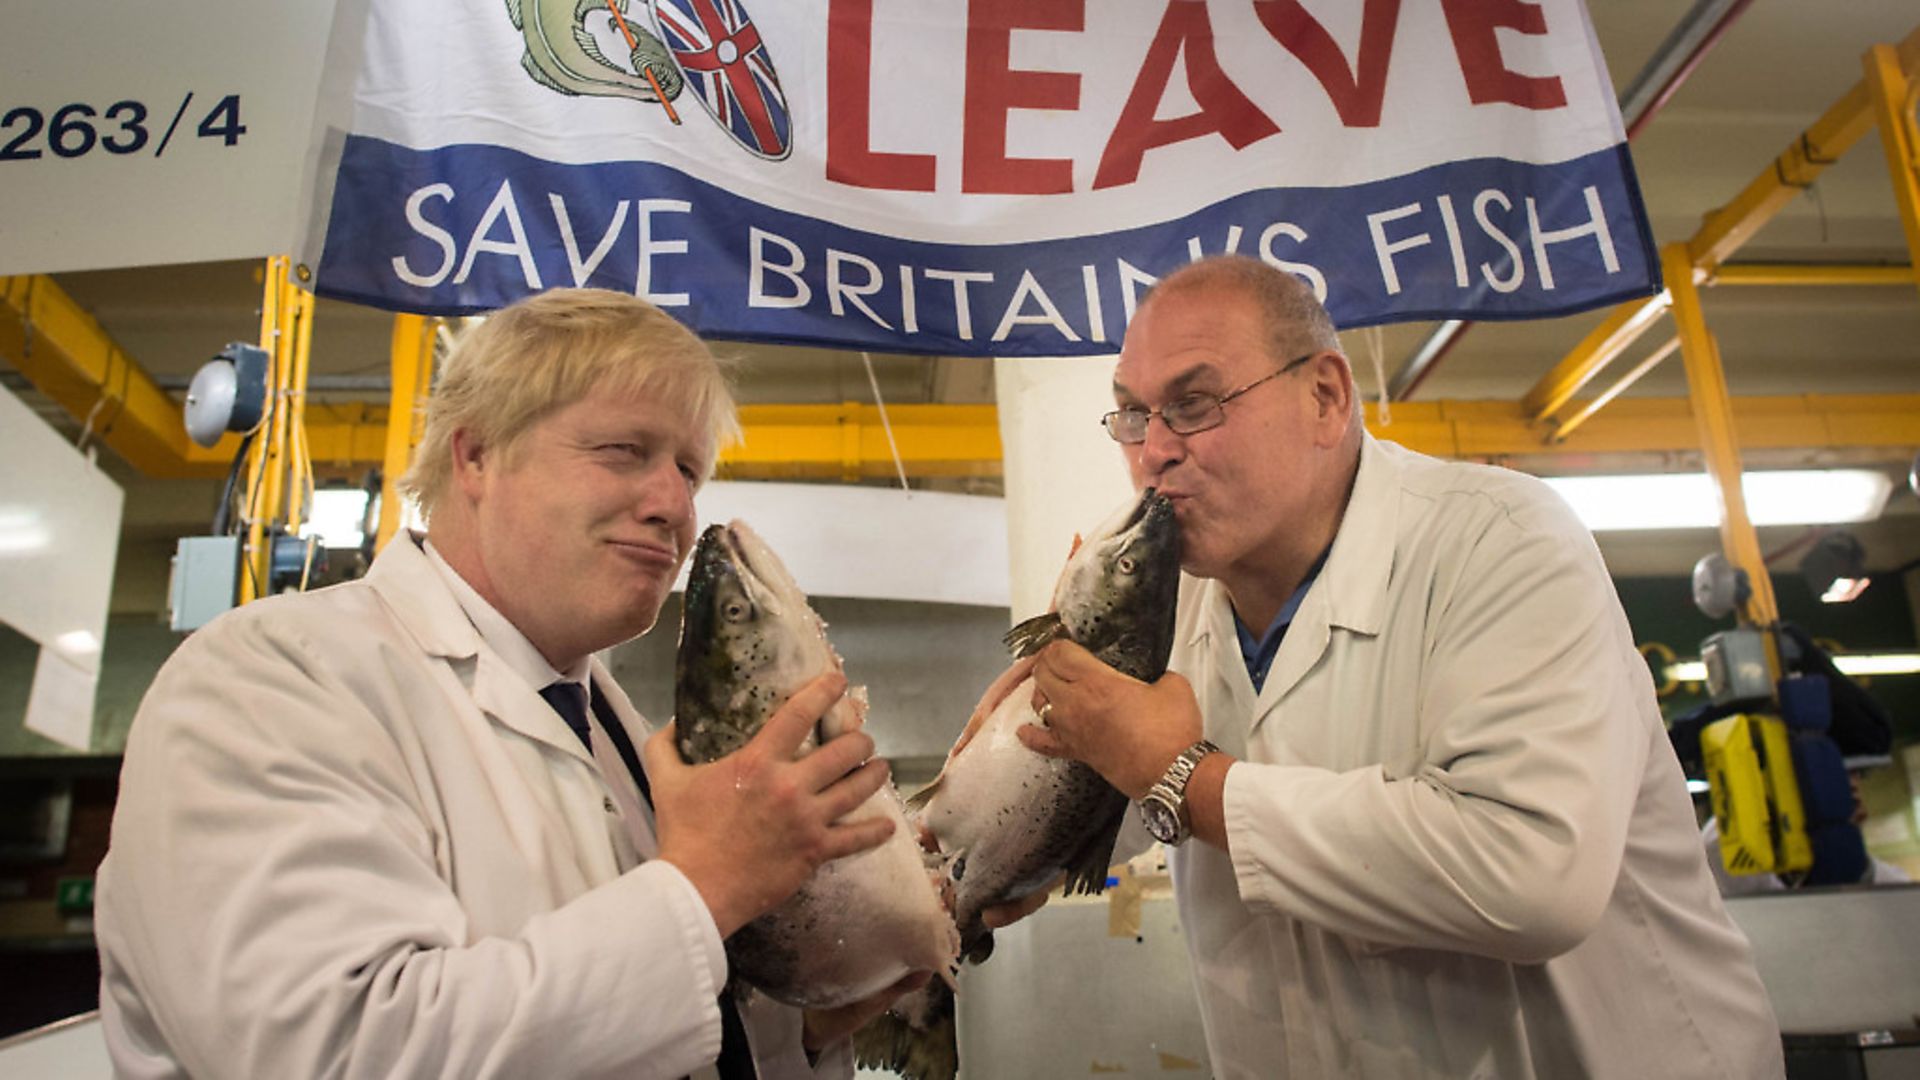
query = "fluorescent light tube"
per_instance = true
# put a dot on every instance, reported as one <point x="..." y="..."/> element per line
<point x="1688" y="500"/>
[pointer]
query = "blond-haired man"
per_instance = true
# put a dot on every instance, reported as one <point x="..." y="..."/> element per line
<point x="399" y="827"/>
<point x="1437" y="829"/>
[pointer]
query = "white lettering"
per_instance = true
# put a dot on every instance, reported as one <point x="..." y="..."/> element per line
<point x="909" y="311"/>
<point x="649" y="247"/>
<point x="1384" y="251"/>
<point x="757" y="295"/>
<point x="1500" y="237"/>
<point x="1596" y="227"/>
<point x="962" y="308"/>
<point x="838" y="290"/>
<point x="1096" y="318"/>
<point x="441" y="238"/>
<point x="502" y="206"/>
<point x="1049" y="315"/>
<point x="1195" y="254"/>
<point x="1310" y="274"/>
<point x="1454" y="246"/>
<point x="584" y="270"/>
<point x="1133" y="282"/>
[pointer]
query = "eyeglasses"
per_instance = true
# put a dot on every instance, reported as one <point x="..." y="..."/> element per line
<point x="1189" y="415"/>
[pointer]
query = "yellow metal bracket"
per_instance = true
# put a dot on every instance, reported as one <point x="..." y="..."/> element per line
<point x="1726" y="229"/>
<point x="1893" y="110"/>
<point x="279" y="466"/>
<point x="412" y="366"/>
<point x="1713" y="412"/>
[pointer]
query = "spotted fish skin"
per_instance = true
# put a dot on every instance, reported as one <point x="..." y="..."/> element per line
<point x="748" y="640"/>
<point x="1010" y="821"/>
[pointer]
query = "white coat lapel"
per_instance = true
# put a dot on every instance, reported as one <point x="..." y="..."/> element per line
<point x="412" y="589"/>
<point x="1350" y="594"/>
<point x="1225" y="691"/>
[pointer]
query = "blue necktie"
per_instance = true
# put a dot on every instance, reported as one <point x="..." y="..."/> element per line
<point x="569" y="699"/>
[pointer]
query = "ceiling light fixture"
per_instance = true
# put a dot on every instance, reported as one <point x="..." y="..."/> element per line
<point x="1688" y="500"/>
<point x="1852" y="664"/>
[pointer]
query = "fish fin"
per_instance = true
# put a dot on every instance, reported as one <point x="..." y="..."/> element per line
<point x="926" y="1047"/>
<point x="534" y="72"/>
<point x="1087" y="871"/>
<point x="513" y="12"/>
<point x="1034" y="634"/>
<point x="588" y="45"/>
<point x="917" y="801"/>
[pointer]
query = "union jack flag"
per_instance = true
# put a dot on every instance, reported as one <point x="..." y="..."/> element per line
<point x="727" y="66"/>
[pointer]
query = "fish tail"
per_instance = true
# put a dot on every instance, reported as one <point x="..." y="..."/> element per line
<point x="918" y="1040"/>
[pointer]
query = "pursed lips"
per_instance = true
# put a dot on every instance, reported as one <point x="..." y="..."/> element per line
<point x="648" y="551"/>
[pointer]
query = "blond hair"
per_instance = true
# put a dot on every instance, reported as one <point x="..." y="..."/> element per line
<point x="550" y="350"/>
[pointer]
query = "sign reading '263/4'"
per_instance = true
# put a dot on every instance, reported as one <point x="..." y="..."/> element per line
<point x="74" y="130"/>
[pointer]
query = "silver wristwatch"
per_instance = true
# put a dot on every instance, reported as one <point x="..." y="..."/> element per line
<point x="1163" y="809"/>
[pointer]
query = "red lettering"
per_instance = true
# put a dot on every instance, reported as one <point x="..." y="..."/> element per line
<point x="1185" y="33"/>
<point x="1355" y="91"/>
<point x="851" y="158"/>
<point x="994" y="89"/>
<point x="1472" y="24"/>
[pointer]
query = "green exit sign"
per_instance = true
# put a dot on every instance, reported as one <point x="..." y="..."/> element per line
<point x="73" y="895"/>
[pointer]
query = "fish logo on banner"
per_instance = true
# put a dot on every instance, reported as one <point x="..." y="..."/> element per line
<point x="710" y="46"/>
<point x="727" y="66"/>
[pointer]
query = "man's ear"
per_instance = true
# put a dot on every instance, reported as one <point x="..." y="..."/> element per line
<point x="470" y="461"/>
<point x="1333" y="393"/>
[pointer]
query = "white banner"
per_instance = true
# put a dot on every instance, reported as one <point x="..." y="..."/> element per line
<point x="996" y="177"/>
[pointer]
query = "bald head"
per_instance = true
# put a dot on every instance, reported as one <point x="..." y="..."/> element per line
<point x="1296" y="322"/>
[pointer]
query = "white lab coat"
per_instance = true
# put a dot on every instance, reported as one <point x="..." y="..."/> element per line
<point x="351" y="841"/>
<point x="1460" y="842"/>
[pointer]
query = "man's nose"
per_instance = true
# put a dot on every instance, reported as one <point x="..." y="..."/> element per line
<point x="1161" y="447"/>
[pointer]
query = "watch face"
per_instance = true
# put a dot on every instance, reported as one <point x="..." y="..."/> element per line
<point x="1161" y="822"/>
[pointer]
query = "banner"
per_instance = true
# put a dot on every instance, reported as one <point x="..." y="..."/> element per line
<point x="990" y="177"/>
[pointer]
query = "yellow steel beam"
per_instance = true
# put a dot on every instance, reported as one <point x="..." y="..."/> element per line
<point x="1713" y="412"/>
<point x="1598" y="349"/>
<point x="1724" y="230"/>
<point x="66" y="354"/>
<point x="1810" y="274"/>
<point x="1585" y="412"/>
<point x="412" y="366"/>
<point x="847" y="442"/>
<point x="266" y="466"/>
<point x="1819" y="146"/>
<point x="1882" y="425"/>
<point x="1893" y="103"/>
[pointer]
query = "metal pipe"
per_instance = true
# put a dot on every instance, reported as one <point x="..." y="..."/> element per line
<point x="1567" y="426"/>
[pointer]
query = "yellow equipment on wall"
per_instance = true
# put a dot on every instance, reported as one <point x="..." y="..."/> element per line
<point x="1756" y="797"/>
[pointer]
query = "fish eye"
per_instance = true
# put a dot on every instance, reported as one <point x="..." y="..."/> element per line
<point x="1127" y="565"/>
<point x="734" y="611"/>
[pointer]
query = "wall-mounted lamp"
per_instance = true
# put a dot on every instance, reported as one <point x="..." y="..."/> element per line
<point x="1836" y="568"/>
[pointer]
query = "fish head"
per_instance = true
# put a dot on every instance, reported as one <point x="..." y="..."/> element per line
<point x="1116" y="596"/>
<point x="748" y="640"/>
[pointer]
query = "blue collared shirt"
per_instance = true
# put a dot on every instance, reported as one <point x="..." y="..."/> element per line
<point x="1259" y="654"/>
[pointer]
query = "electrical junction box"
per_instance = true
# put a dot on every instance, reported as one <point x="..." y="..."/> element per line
<point x="1763" y="828"/>
<point x="206" y="579"/>
<point x="1736" y="662"/>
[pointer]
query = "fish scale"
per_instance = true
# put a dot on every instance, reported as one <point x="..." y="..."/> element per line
<point x="1008" y="821"/>
<point x="748" y="640"/>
